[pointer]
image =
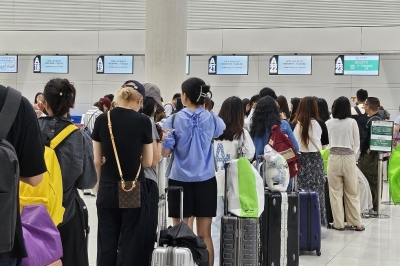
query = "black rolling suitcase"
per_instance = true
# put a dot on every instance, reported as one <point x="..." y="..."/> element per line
<point x="240" y="238"/>
<point x="280" y="229"/>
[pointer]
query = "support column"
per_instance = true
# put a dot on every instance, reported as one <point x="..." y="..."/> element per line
<point x="166" y="45"/>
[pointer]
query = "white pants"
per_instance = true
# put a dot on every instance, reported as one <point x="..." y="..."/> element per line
<point x="216" y="229"/>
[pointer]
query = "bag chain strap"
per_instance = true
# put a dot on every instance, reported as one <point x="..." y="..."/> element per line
<point x="117" y="159"/>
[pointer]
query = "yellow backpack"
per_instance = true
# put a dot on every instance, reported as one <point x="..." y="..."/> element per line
<point x="50" y="191"/>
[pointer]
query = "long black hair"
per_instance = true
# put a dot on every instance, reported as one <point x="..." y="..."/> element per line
<point x="232" y="114"/>
<point x="246" y="102"/>
<point x="148" y="107"/>
<point x="264" y="117"/>
<point x="295" y="104"/>
<point x="323" y="109"/>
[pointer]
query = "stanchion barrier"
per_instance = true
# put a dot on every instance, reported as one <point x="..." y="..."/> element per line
<point x="162" y="179"/>
<point x="386" y="157"/>
<point x="380" y="181"/>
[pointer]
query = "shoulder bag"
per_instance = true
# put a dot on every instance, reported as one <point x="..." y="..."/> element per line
<point x="128" y="191"/>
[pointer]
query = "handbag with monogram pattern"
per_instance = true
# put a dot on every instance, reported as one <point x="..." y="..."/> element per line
<point x="128" y="191"/>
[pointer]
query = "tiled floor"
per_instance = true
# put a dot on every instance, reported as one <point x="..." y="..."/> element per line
<point x="378" y="245"/>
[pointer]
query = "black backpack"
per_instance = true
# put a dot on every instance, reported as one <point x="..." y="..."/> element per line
<point x="9" y="174"/>
<point x="362" y="120"/>
<point x="366" y="129"/>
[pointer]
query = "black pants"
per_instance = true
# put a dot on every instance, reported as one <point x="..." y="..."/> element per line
<point x="133" y="229"/>
<point x="73" y="239"/>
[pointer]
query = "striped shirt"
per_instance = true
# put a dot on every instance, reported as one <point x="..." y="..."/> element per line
<point x="90" y="117"/>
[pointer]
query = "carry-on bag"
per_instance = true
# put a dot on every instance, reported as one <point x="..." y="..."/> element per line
<point x="280" y="229"/>
<point x="172" y="255"/>
<point x="240" y="239"/>
<point x="310" y="222"/>
<point x="41" y="236"/>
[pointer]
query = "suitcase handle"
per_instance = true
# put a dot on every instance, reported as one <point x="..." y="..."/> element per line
<point x="180" y="202"/>
<point x="226" y="166"/>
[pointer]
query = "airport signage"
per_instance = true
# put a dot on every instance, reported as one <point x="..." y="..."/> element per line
<point x="381" y="136"/>
<point x="57" y="64"/>
<point x="290" y="65"/>
<point x="357" y="65"/>
<point x="228" y="65"/>
<point x="114" y="64"/>
<point x="8" y="63"/>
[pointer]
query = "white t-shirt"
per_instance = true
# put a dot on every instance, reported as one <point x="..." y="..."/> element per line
<point x="225" y="151"/>
<point x="247" y="120"/>
<point x="361" y="107"/>
<point x="343" y="134"/>
<point x="169" y="108"/>
<point x="314" y="132"/>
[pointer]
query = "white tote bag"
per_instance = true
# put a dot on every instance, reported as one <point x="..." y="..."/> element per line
<point x="245" y="189"/>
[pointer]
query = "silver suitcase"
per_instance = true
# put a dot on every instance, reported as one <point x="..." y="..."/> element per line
<point x="171" y="256"/>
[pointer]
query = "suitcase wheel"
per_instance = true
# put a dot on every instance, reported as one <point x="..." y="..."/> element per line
<point x="318" y="252"/>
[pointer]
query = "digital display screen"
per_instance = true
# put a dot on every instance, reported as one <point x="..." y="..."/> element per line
<point x="118" y="64"/>
<point x="290" y="65"/>
<point x="57" y="64"/>
<point x="228" y="65"/>
<point x="8" y="63"/>
<point x="357" y="65"/>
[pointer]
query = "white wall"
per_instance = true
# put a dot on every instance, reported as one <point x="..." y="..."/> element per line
<point x="322" y="83"/>
<point x="204" y="14"/>
<point x="209" y="41"/>
<point x="260" y="28"/>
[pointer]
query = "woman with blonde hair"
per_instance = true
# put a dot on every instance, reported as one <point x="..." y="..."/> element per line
<point x="126" y="153"/>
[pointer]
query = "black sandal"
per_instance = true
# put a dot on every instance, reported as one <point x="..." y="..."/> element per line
<point x="330" y="226"/>
<point x="352" y="227"/>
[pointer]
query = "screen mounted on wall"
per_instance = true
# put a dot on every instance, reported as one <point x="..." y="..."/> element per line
<point x="290" y="65"/>
<point x="114" y="64"/>
<point x="228" y="65"/>
<point x="357" y="65"/>
<point x="57" y="64"/>
<point x="8" y="63"/>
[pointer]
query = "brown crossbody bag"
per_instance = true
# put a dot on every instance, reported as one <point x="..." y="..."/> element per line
<point x="128" y="191"/>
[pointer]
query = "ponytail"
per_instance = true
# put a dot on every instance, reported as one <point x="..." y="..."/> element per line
<point x="196" y="90"/>
<point x="59" y="95"/>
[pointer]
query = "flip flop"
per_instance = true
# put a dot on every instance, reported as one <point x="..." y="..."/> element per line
<point x="330" y="226"/>
<point x="355" y="228"/>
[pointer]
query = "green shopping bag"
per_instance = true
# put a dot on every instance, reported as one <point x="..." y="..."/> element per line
<point x="394" y="175"/>
<point x="325" y="155"/>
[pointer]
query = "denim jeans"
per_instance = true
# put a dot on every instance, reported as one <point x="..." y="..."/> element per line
<point x="8" y="262"/>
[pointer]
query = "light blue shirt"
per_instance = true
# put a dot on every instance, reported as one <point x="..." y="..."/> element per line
<point x="192" y="144"/>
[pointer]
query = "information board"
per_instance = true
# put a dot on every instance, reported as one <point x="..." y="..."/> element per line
<point x="228" y="65"/>
<point x="57" y="64"/>
<point x="114" y="64"/>
<point x="8" y="63"/>
<point x="290" y="65"/>
<point x="357" y="65"/>
<point x="381" y="136"/>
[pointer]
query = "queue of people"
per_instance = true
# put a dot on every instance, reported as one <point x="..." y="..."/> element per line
<point x="128" y="138"/>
